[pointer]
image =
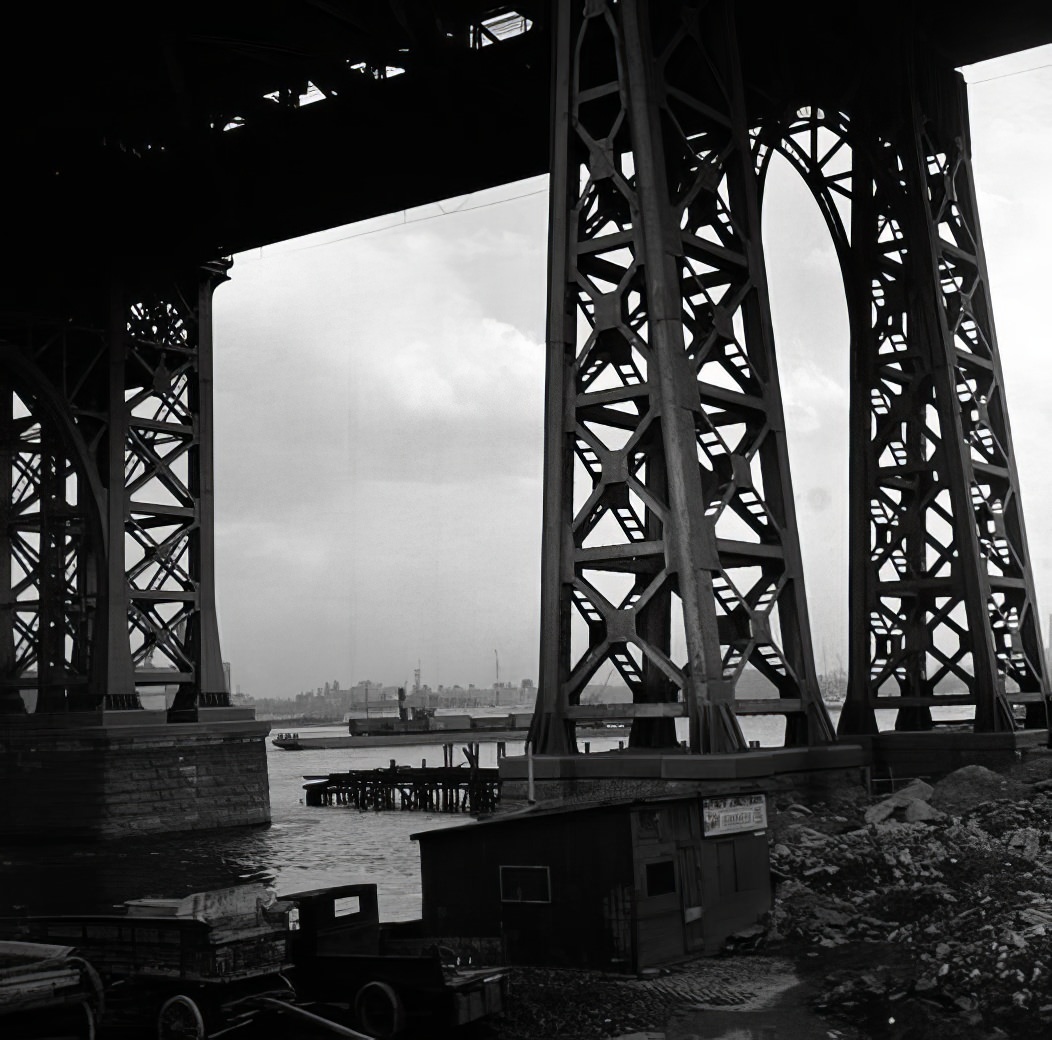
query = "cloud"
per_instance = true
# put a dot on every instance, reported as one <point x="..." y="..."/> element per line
<point x="379" y="440"/>
<point x="814" y="402"/>
<point x="456" y="369"/>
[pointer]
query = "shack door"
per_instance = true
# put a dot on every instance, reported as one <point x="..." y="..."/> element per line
<point x="660" y="935"/>
<point x="737" y="885"/>
<point x="689" y="862"/>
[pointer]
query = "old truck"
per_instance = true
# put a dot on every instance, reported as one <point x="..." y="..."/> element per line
<point x="217" y="961"/>
<point x="385" y="977"/>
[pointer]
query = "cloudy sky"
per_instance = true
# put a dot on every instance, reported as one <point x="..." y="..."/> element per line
<point x="379" y="400"/>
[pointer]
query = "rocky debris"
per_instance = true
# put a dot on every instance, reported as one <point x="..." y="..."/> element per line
<point x="970" y="786"/>
<point x="918" y="811"/>
<point x="916" y="926"/>
<point x="933" y="912"/>
<point x="912" y="800"/>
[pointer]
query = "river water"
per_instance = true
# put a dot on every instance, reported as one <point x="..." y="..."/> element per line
<point x="303" y="848"/>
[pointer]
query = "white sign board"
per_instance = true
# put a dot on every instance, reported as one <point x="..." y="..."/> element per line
<point x="732" y="814"/>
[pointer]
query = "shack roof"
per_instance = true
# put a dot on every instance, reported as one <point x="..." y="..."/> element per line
<point x="559" y="808"/>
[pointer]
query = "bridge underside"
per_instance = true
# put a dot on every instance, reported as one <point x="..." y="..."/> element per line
<point x="181" y="130"/>
<point x="145" y="146"/>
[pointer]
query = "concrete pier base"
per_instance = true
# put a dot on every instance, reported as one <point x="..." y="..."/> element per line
<point x="637" y="773"/>
<point x="934" y="753"/>
<point x="84" y="776"/>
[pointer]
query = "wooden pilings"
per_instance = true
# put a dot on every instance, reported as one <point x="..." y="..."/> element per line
<point x="445" y="788"/>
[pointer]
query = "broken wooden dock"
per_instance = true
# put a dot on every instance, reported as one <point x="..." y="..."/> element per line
<point x="408" y="789"/>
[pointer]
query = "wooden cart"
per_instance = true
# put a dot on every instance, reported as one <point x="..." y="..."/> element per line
<point x="192" y="967"/>
<point x="217" y="961"/>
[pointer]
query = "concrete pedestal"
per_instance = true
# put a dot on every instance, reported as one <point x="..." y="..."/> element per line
<point x="115" y="774"/>
<point x="635" y="773"/>
<point x="934" y="753"/>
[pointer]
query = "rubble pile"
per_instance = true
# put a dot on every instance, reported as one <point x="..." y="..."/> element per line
<point x="935" y="905"/>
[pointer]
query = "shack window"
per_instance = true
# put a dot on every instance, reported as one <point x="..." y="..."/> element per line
<point x="346" y="905"/>
<point x="661" y="878"/>
<point x="525" y="885"/>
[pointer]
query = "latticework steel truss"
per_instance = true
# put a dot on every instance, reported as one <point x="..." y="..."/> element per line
<point x="106" y="526"/>
<point x="943" y="606"/>
<point x="669" y="520"/>
<point x="669" y="516"/>
<point x="49" y="590"/>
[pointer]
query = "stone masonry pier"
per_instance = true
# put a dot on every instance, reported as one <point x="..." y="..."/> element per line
<point x="116" y="774"/>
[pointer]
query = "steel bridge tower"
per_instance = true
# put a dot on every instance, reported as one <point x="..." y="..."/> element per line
<point x="107" y="504"/>
<point x="670" y="546"/>
<point x="107" y="584"/>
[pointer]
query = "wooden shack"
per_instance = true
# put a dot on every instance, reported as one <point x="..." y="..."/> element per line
<point x="620" y="886"/>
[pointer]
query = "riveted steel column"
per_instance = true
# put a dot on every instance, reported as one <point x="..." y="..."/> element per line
<point x="669" y="522"/>
<point x="208" y="659"/>
<point x="690" y="549"/>
<point x="550" y="730"/>
<point x="993" y="556"/>
<point x="943" y="613"/>
<point x="10" y="700"/>
<point x="115" y="648"/>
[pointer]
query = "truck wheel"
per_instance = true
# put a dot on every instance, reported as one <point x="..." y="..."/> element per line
<point x="180" y="1019"/>
<point x="379" y="1010"/>
<point x="89" y="1022"/>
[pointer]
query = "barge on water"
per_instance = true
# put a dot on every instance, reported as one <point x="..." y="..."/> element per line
<point x="425" y="728"/>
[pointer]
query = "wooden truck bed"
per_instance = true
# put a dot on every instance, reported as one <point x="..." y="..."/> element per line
<point x="202" y="961"/>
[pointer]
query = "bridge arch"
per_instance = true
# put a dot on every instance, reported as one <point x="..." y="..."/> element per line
<point x="917" y="630"/>
<point x="801" y="161"/>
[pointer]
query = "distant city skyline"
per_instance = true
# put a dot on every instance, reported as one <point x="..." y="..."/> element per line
<point x="379" y="416"/>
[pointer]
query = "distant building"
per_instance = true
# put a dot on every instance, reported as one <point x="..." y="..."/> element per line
<point x="325" y="702"/>
<point x="368" y="696"/>
<point x="510" y="694"/>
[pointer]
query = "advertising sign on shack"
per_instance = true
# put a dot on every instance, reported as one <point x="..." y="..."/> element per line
<point x="734" y="814"/>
